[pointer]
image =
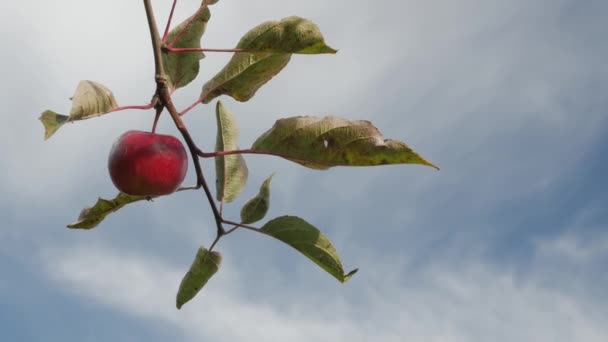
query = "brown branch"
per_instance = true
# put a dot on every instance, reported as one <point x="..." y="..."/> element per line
<point x="164" y="96"/>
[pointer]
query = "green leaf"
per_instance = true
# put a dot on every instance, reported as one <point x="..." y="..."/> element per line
<point x="52" y="122"/>
<point x="231" y="171"/>
<point x="256" y="208"/>
<point x="204" y="266"/>
<point x="91" y="217"/>
<point x="91" y="99"/>
<point x="268" y="50"/>
<point x="309" y="241"/>
<point x="289" y="35"/>
<point x="183" y="67"/>
<point x="321" y="143"/>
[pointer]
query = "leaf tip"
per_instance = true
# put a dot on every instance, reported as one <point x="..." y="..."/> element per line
<point x="331" y="50"/>
<point x="349" y="275"/>
<point x="427" y="163"/>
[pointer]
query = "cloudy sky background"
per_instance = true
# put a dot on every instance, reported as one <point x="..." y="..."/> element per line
<point x="508" y="242"/>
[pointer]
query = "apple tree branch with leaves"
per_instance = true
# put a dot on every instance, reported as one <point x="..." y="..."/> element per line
<point x="145" y="165"/>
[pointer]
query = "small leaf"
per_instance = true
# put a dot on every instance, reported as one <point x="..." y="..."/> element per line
<point x="256" y="208"/>
<point x="309" y="241"/>
<point x="204" y="266"/>
<point x="52" y="122"/>
<point x="321" y="143"/>
<point x="269" y="47"/>
<point x="91" y="99"/>
<point x="91" y="217"/>
<point x="231" y="171"/>
<point x="183" y="67"/>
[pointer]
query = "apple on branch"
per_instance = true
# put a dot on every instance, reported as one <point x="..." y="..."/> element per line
<point x="147" y="164"/>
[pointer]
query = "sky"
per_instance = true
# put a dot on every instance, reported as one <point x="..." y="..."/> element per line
<point x="508" y="242"/>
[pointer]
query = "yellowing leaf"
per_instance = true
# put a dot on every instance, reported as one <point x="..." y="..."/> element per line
<point x="231" y="171"/>
<point x="91" y="99"/>
<point x="321" y="143"/>
<point x="268" y="49"/>
<point x="204" y="266"/>
<point x="309" y="241"/>
<point x="256" y="208"/>
<point x="91" y="217"/>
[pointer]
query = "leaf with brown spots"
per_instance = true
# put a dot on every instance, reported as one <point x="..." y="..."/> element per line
<point x="321" y="143"/>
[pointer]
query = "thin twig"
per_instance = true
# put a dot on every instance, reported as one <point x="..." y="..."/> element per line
<point x="240" y="225"/>
<point x="166" y="34"/>
<point x="188" y="24"/>
<point x="186" y="188"/>
<point x="190" y="107"/>
<point x="178" y="50"/>
<point x="142" y="107"/>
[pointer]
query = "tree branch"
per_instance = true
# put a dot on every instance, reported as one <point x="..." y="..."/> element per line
<point x="164" y="95"/>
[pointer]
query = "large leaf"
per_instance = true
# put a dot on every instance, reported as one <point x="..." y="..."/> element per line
<point x="91" y="217"/>
<point x="321" y="143"/>
<point x="256" y="208"/>
<point x="90" y="99"/>
<point x="269" y="47"/>
<point x="183" y="67"/>
<point x="204" y="266"/>
<point x="231" y="171"/>
<point x="309" y="241"/>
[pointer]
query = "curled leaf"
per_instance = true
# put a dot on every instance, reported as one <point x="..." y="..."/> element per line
<point x="91" y="217"/>
<point x="321" y="143"/>
<point x="204" y="266"/>
<point x="231" y="171"/>
<point x="309" y="241"/>
<point x="91" y="99"/>
<point x="256" y="208"/>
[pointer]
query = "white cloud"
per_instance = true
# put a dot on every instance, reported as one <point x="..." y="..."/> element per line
<point x="473" y="301"/>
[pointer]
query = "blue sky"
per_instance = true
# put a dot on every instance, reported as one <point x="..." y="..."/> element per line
<point x="509" y="241"/>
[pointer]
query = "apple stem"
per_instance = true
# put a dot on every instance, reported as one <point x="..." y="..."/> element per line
<point x="159" y="110"/>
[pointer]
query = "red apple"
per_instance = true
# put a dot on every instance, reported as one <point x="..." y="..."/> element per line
<point x="147" y="164"/>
